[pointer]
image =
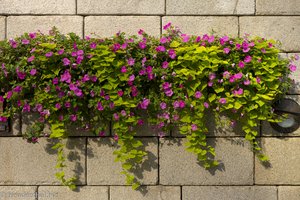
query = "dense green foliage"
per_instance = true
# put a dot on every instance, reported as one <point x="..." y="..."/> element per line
<point x="172" y="80"/>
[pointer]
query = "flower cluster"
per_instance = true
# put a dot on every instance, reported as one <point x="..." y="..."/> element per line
<point x="171" y="80"/>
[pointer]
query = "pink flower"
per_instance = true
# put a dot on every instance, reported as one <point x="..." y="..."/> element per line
<point x="149" y="69"/>
<point x="176" y="104"/>
<point x="210" y="83"/>
<point x="211" y="39"/>
<point x="130" y="61"/>
<point x="49" y="54"/>
<point x="131" y="78"/>
<point x="26" y="108"/>
<point x="66" y="61"/>
<point x="140" y="122"/>
<point x="142" y="45"/>
<point x="212" y="76"/>
<point x="58" y="106"/>
<point x="163" y="105"/>
<point x="78" y="92"/>
<point x="25" y="41"/>
<point x="140" y="32"/>
<point x="93" y="78"/>
<point x="206" y="105"/>
<point x="185" y="37"/>
<point x="93" y="45"/>
<point x="101" y="133"/>
<point x="1" y="99"/>
<point x="55" y="81"/>
<point x="17" y="89"/>
<point x="194" y="127"/>
<point x="116" y="137"/>
<point x="258" y="80"/>
<point x="99" y="106"/>
<point x="247" y="59"/>
<point x="238" y="75"/>
<point x="169" y="92"/>
<point x="241" y="64"/>
<point x="13" y="43"/>
<point x="198" y="39"/>
<point x="163" y="40"/>
<point x="30" y="59"/>
<point x="73" y="118"/>
<point x="66" y="77"/>
<point x="160" y="48"/>
<point x="181" y="104"/>
<point x="226" y="50"/>
<point x="292" y="67"/>
<point x="172" y="53"/>
<point x="21" y="75"/>
<point x="3" y="119"/>
<point x="33" y="72"/>
<point x="247" y="82"/>
<point x="198" y="95"/>
<point x="167" y="26"/>
<point x="144" y="104"/>
<point x="123" y="69"/>
<point x="134" y="91"/>
<point x="263" y="50"/>
<point x="85" y="78"/>
<point x="67" y="104"/>
<point x="32" y="35"/>
<point x="232" y="78"/>
<point x="240" y="91"/>
<point x="120" y="93"/>
<point x="116" y="116"/>
<point x="224" y="39"/>
<point x="222" y="100"/>
<point x="226" y="74"/>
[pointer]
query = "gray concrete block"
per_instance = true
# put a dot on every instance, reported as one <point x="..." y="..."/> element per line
<point x="2" y="27"/>
<point x="288" y="192"/>
<point x="213" y="7"/>
<point x="285" y="29"/>
<point x="145" y="193"/>
<point x="17" y="25"/>
<point x="18" y="192"/>
<point x="34" y="164"/>
<point x="143" y="7"/>
<point x="284" y="162"/>
<point x="277" y="7"/>
<point x="64" y="193"/>
<point x="107" y="26"/>
<point x="200" y="25"/>
<point x="179" y="167"/>
<point x="103" y="170"/>
<point x="229" y="192"/>
<point x="38" y="7"/>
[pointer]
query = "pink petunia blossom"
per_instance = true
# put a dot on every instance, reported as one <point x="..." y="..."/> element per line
<point x="160" y="49"/>
<point x="167" y="26"/>
<point x="163" y="105"/>
<point x="131" y="78"/>
<point x="165" y="65"/>
<point x="93" y="45"/>
<point x="66" y="61"/>
<point x="100" y="106"/>
<point x="31" y="58"/>
<point x="241" y="64"/>
<point x="32" y="35"/>
<point x="194" y="127"/>
<point x="116" y="116"/>
<point x="130" y="61"/>
<point x="25" y="41"/>
<point x="226" y="50"/>
<point x="120" y="93"/>
<point x="206" y="105"/>
<point x="258" y="80"/>
<point x="142" y="45"/>
<point x="172" y="53"/>
<point x="247" y="82"/>
<point x="169" y="92"/>
<point x="247" y="59"/>
<point x="140" y="32"/>
<point x="222" y="101"/>
<point x="224" y="39"/>
<point x="73" y="117"/>
<point x="58" y="106"/>
<point x="292" y="67"/>
<point x="185" y="37"/>
<point x="211" y="39"/>
<point x="144" y="104"/>
<point x="49" y="54"/>
<point x="66" y="77"/>
<point x="238" y="75"/>
<point x="140" y="122"/>
<point x="198" y="94"/>
<point x="163" y="40"/>
<point x="181" y="104"/>
<point x="85" y="78"/>
<point x="33" y="72"/>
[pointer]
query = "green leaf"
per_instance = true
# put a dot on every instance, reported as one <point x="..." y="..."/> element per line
<point x="186" y="119"/>
<point x="126" y="166"/>
<point x="57" y="130"/>
<point x="212" y="97"/>
<point x="48" y="45"/>
<point x="174" y="44"/>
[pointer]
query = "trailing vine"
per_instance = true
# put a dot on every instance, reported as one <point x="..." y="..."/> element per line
<point x="172" y="80"/>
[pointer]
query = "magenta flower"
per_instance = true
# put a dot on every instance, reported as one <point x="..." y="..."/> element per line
<point x="116" y="47"/>
<point x="116" y="116"/>
<point x="55" y="81"/>
<point x="258" y="80"/>
<point x="21" y="75"/>
<point x="222" y="100"/>
<point x="211" y="76"/>
<point x="66" y="77"/>
<point x="240" y="91"/>
<point x="198" y="95"/>
<point x="211" y="39"/>
<point x="73" y="118"/>
<point x="166" y="85"/>
<point x="142" y="72"/>
<point x="169" y="92"/>
<point x="241" y="64"/>
<point x="181" y="104"/>
<point x="176" y="104"/>
<point x="210" y="83"/>
<point x="78" y="92"/>
<point x="58" y="106"/>
<point x="142" y="45"/>
<point x="226" y="50"/>
<point x="120" y="93"/>
<point x="194" y="127"/>
<point x="99" y="106"/>
<point x="13" y="43"/>
<point x="17" y="89"/>
<point x="224" y="39"/>
<point x="206" y="105"/>
<point x="130" y="61"/>
<point x="149" y="69"/>
<point x="163" y="105"/>
<point x="167" y="26"/>
<point x="30" y="59"/>
<point x="247" y="59"/>
<point x="25" y="41"/>
<point x="140" y="122"/>
<point x="116" y="137"/>
<point x="80" y="52"/>
<point x="32" y="35"/>
<point x="85" y="78"/>
<point x="4" y="69"/>
<point x="134" y="91"/>
<point x="232" y="78"/>
<point x="144" y="104"/>
<point x="165" y="65"/>
<point x="131" y="78"/>
<point x="33" y="72"/>
<point x="93" y="45"/>
<point x="175" y="117"/>
<point x="226" y="74"/>
<point x="160" y="49"/>
<point x="247" y="82"/>
<point x="111" y="105"/>
<point x="26" y="108"/>
<point x="123" y="69"/>
<point x="101" y="133"/>
<point x="123" y="113"/>
<point x="49" y="54"/>
<point x="292" y="67"/>
<point x="93" y="78"/>
<point x="67" y="104"/>
<point x="66" y="61"/>
<point x="172" y="53"/>
<point x="3" y="119"/>
<point x="140" y="32"/>
<point x="185" y="37"/>
<point x="1" y="99"/>
<point x="238" y="75"/>
<point x="163" y="40"/>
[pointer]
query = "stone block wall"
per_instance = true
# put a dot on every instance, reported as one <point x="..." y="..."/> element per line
<point x="170" y="173"/>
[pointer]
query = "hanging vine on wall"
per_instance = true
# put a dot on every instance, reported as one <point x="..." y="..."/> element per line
<point x="173" y="79"/>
